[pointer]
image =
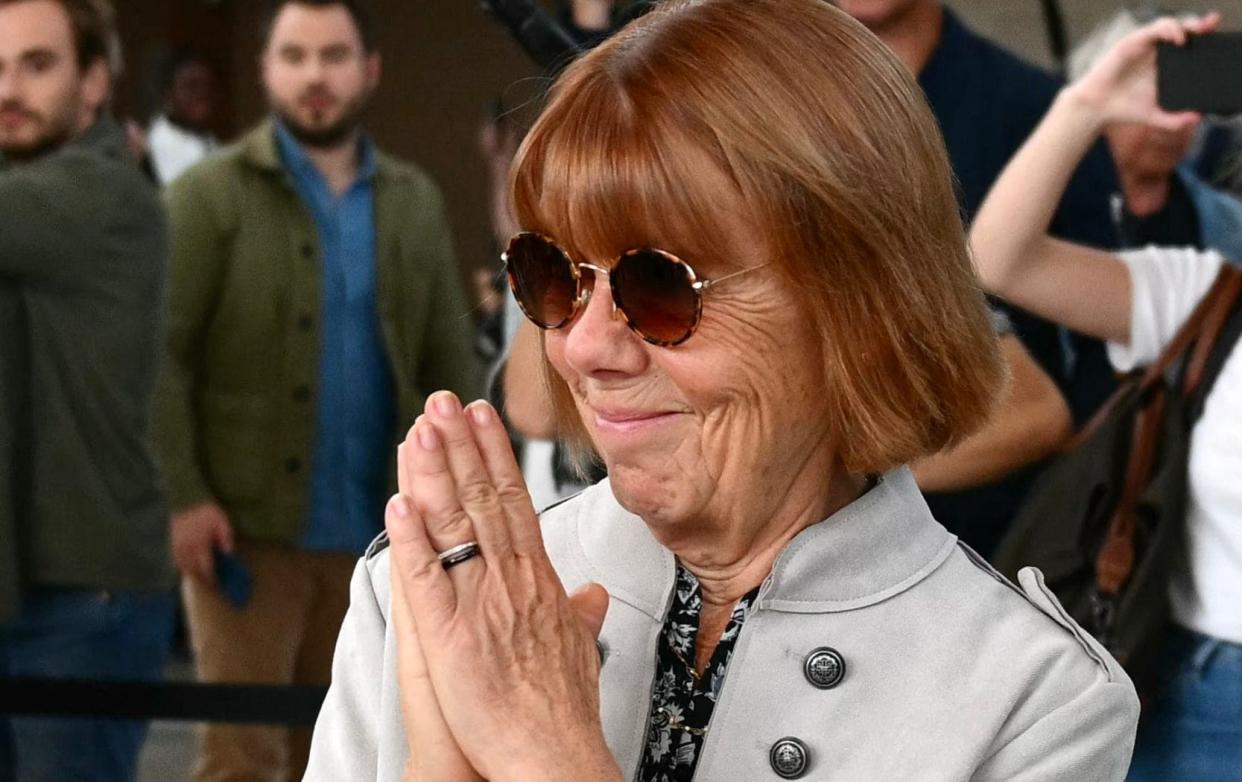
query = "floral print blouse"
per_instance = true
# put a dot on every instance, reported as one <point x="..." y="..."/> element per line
<point x="681" y="700"/>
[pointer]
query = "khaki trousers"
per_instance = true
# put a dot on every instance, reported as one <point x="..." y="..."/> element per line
<point x="285" y="635"/>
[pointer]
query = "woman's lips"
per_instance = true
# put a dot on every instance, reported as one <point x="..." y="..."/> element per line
<point x="628" y="422"/>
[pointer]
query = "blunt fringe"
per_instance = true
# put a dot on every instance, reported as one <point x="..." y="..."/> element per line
<point x="829" y="144"/>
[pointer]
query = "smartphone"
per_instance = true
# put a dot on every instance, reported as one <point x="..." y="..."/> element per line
<point x="233" y="579"/>
<point x="1205" y="75"/>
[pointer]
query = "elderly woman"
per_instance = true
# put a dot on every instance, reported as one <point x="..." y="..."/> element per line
<point x="741" y="240"/>
<point x="1138" y="300"/>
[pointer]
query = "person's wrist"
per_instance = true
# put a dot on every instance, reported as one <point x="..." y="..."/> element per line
<point x="574" y="760"/>
<point x="1082" y="104"/>
<point x="600" y="772"/>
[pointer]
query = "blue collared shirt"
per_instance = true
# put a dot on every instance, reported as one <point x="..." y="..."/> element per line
<point x="355" y="404"/>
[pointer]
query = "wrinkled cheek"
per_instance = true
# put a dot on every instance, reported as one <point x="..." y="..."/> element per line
<point x="560" y="374"/>
<point x="730" y="440"/>
<point x="560" y="371"/>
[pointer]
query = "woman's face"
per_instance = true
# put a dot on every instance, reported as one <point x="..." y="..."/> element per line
<point x="716" y="425"/>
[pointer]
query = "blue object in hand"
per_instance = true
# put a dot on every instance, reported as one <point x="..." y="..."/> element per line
<point x="233" y="579"/>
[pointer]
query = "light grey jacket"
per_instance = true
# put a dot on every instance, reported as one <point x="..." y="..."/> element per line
<point x="952" y="673"/>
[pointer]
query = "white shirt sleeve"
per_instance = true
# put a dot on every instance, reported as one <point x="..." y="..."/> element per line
<point x="1166" y="283"/>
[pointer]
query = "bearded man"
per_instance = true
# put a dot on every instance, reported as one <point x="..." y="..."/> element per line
<point x="314" y="303"/>
<point x="85" y="579"/>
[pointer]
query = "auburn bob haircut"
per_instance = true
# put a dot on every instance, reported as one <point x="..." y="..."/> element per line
<point x="830" y="146"/>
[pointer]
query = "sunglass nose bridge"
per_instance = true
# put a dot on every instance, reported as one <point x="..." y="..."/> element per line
<point x="586" y="279"/>
<point x="586" y="286"/>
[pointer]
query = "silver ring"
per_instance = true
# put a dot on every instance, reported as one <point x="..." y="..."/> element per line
<point x="459" y="554"/>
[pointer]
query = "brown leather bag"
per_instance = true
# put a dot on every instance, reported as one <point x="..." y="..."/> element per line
<point x="1105" y="521"/>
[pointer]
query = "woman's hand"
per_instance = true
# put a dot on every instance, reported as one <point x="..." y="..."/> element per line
<point x="1121" y="86"/>
<point x="507" y="653"/>
<point x="434" y="753"/>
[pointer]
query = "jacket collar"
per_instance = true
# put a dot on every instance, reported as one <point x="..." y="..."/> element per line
<point x="878" y="546"/>
<point x="259" y="149"/>
<point x="104" y="137"/>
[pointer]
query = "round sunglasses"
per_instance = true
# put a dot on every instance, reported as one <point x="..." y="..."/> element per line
<point x="658" y="295"/>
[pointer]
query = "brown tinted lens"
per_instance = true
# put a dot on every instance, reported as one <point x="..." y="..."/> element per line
<point x="542" y="280"/>
<point x="656" y="294"/>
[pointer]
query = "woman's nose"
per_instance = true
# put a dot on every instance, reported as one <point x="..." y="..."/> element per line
<point x="598" y="338"/>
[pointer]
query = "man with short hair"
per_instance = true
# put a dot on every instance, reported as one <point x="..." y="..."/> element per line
<point x="85" y="592"/>
<point x="315" y="303"/>
<point x="987" y="102"/>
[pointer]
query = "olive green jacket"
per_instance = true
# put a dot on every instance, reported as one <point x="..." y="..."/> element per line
<point x="13" y="373"/>
<point x="83" y="257"/>
<point x="235" y="414"/>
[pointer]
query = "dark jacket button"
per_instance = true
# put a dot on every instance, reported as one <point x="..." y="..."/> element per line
<point x="306" y="323"/>
<point x="293" y="464"/>
<point x="790" y="758"/>
<point x="308" y="251"/>
<point x="302" y="394"/>
<point x="824" y="667"/>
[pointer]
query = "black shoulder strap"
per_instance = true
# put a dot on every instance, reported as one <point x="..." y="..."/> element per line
<point x="1226" y="341"/>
